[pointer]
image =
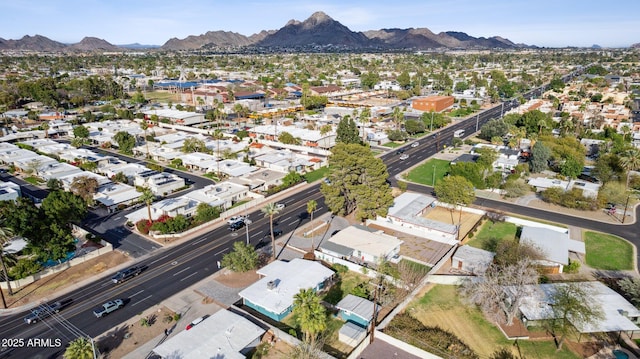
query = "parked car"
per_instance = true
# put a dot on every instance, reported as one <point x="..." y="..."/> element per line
<point x="126" y="274"/>
<point x="108" y="307"/>
<point x="236" y="225"/>
<point x="45" y="310"/>
<point x="196" y="322"/>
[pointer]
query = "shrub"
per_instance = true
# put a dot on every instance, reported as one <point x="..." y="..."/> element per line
<point x="143" y="226"/>
<point x="573" y="267"/>
<point x="24" y="268"/>
<point x="340" y="268"/>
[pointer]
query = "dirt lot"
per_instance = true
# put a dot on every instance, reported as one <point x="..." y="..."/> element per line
<point x="443" y="215"/>
<point x="48" y="287"/>
<point x="236" y="280"/>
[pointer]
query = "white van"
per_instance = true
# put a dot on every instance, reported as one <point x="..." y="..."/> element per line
<point x="458" y="133"/>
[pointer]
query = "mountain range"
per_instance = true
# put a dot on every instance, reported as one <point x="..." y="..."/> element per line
<point x="318" y="31"/>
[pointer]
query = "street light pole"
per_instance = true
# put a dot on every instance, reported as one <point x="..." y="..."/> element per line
<point x="431" y="127"/>
<point x="477" y="120"/>
<point x="433" y="179"/>
<point x="247" y="222"/>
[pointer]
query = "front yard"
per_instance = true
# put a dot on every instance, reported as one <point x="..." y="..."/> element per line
<point x="424" y="174"/>
<point x="608" y="252"/>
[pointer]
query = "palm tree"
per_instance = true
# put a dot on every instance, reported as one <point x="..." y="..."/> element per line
<point x="541" y="124"/>
<point x="270" y="210"/>
<point x="398" y="116"/>
<point x="5" y="236"/>
<point x="147" y="197"/>
<point x="312" y="205"/>
<point x="80" y="348"/>
<point x="144" y="125"/>
<point x="45" y="127"/>
<point x="630" y="161"/>
<point x="311" y="315"/>
<point x="365" y="114"/>
<point x="218" y="135"/>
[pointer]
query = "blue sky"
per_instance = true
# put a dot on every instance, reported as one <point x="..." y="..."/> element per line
<point x="556" y="23"/>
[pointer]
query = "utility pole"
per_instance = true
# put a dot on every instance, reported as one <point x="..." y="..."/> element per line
<point x="624" y="215"/>
<point x="431" y="127"/>
<point x="477" y="121"/>
<point x="502" y="109"/>
<point x="374" y="317"/>
<point x="247" y="222"/>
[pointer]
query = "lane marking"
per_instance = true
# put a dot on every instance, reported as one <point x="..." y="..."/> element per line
<point x="159" y="259"/>
<point x="222" y="251"/>
<point x="175" y="274"/>
<point x="136" y="293"/>
<point x="141" y="300"/>
<point x="286" y="219"/>
<point x="192" y="274"/>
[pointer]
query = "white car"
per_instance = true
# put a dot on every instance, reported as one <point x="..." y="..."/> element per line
<point x="404" y="157"/>
<point x="234" y="219"/>
<point x="280" y="206"/>
<point x="415" y="144"/>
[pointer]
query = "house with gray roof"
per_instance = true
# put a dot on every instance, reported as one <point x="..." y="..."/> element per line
<point x="471" y="260"/>
<point x="224" y="334"/>
<point x="554" y="246"/>
<point x="361" y="245"/>
<point x="280" y="281"/>
<point x="356" y="309"/>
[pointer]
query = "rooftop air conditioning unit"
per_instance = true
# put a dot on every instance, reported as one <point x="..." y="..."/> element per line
<point x="271" y="284"/>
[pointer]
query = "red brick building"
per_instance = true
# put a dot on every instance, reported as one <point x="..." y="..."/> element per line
<point x="433" y="103"/>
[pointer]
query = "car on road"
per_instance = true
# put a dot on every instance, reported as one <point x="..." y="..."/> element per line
<point x="400" y="151"/>
<point x="196" y="322"/>
<point x="404" y="157"/>
<point x="108" y="307"/>
<point x="126" y="274"/>
<point x="277" y="232"/>
<point x="236" y="225"/>
<point x="415" y="144"/>
<point x="235" y="219"/>
<point x="280" y="206"/>
<point x="44" y="311"/>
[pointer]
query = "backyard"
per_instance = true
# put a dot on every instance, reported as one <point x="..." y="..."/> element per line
<point x="491" y="233"/>
<point x="441" y="307"/>
<point x="608" y="252"/>
<point x="424" y="174"/>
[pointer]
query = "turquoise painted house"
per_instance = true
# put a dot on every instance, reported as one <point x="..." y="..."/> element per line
<point x="356" y="310"/>
<point x="273" y="294"/>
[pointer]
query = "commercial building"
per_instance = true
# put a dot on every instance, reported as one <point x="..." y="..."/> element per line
<point x="432" y="103"/>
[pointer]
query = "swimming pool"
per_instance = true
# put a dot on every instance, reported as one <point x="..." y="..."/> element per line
<point x="620" y="354"/>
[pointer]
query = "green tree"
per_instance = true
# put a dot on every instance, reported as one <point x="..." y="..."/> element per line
<point x="270" y="210"/>
<point x="120" y="177"/>
<point x="81" y="132"/>
<point x="413" y="126"/>
<point x="471" y="171"/>
<point x="347" y="131"/>
<point x="630" y="161"/>
<point x="487" y="157"/>
<point x="80" y="348"/>
<point x="312" y="205"/>
<point x="456" y="191"/>
<point x="310" y="314"/>
<point x="243" y="258"/>
<point x="144" y="125"/>
<point x="572" y="306"/>
<point x="613" y="192"/>
<point x="193" y="144"/>
<point x="540" y="155"/>
<point x="125" y="141"/>
<point x="206" y="212"/>
<point x="64" y="207"/>
<point x="631" y="286"/>
<point x="54" y="184"/>
<point x="358" y="183"/>
<point x="404" y="80"/>
<point x="148" y="197"/>
<point x="6" y="234"/>
<point x="364" y="118"/>
<point x="493" y="128"/>
<point x="287" y="138"/>
<point x="571" y="168"/>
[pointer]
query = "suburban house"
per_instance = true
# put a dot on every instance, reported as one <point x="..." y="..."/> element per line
<point x="619" y="314"/>
<point x="111" y="195"/>
<point x="260" y="180"/>
<point x="406" y="215"/>
<point x="160" y="183"/>
<point x="360" y="245"/>
<point x="177" y="117"/>
<point x="356" y="309"/>
<point x="224" y="334"/>
<point x="224" y="194"/>
<point x="274" y="293"/>
<point x="9" y="191"/>
<point x="554" y="246"/>
<point x="589" y="189"/>
<point x="508" y="158"/>
<point x="199" y="161"/>
<point x="308" y="138"/>
<point x="471" y="260"/>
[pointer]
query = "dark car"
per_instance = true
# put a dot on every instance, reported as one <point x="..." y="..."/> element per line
<point x="400" y="151"/>
<point x="45" y="310"/>
<point x="126" y="274"/>
<point x="276" y="232"/>
<point x="236" y="225"/>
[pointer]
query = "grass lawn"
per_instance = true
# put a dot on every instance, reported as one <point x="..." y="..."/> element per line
<point x="317" y="174"/>
<point x="348" y="281"/>
<point x="33" y="180"/>
<point x="441" y="307"/>
<point x="162" y="96"/>
<point x="608" y="252"/>
<point x="423" y="174"/>
<point x="491" y="233"/>
<point x="393" y="144"/>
